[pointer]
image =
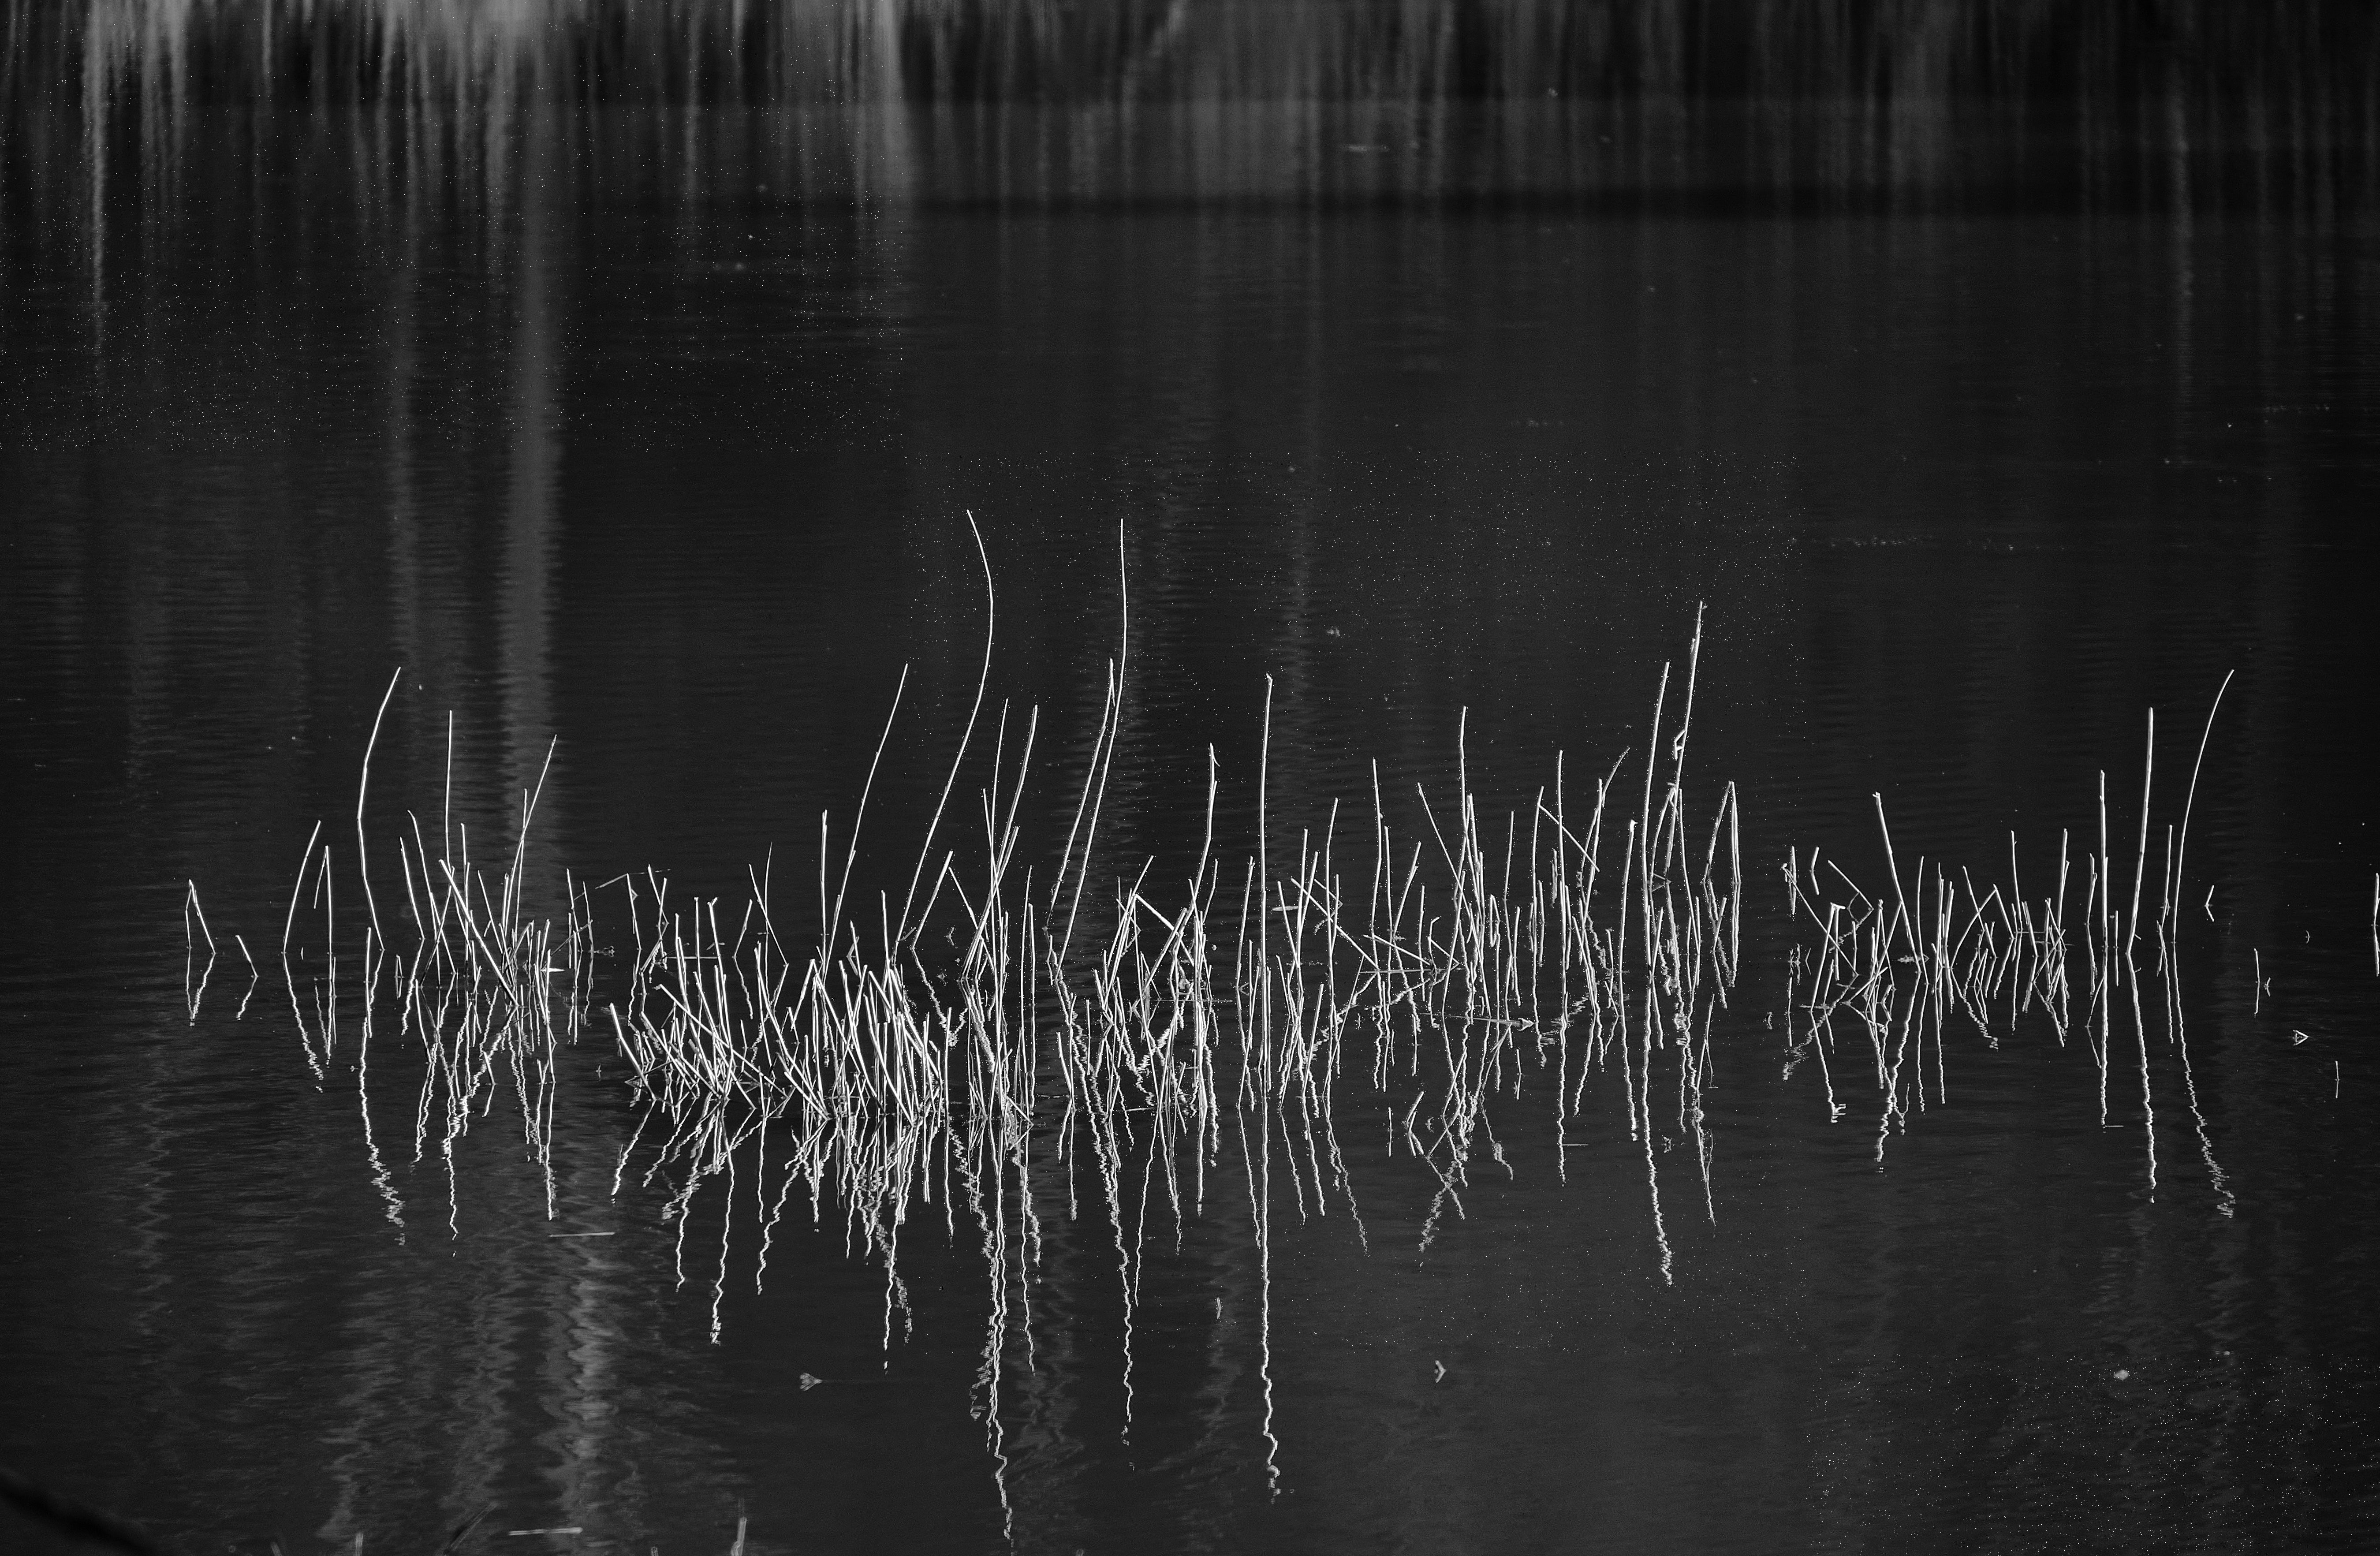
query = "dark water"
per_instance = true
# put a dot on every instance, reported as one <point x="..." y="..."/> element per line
<point x="1992" y="373"/>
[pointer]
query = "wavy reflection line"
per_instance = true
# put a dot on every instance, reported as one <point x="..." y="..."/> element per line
<point x="580" y="1378"/>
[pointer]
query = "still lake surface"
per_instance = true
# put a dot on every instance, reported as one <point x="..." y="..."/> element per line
<point x="629" y="379"/>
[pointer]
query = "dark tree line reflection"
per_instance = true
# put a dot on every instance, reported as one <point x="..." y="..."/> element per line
<point x="1790" y="102"/>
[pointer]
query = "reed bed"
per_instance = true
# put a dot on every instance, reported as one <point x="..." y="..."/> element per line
<point x="1464" y="960"/>
<point x="1084" y="1036"/>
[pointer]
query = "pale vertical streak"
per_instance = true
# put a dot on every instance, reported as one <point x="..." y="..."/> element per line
<point x="524" y="641"/>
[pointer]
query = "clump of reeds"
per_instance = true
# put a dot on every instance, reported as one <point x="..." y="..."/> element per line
<point x="461" y="968"/>
<point x="1897" y="966"/>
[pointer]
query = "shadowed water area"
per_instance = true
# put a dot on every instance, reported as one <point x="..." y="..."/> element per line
<point x="1390" y="408"/>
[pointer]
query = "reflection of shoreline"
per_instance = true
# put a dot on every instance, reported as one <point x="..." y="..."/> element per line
<point x="887" y="99"/>
<point x="843" y="51"/>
